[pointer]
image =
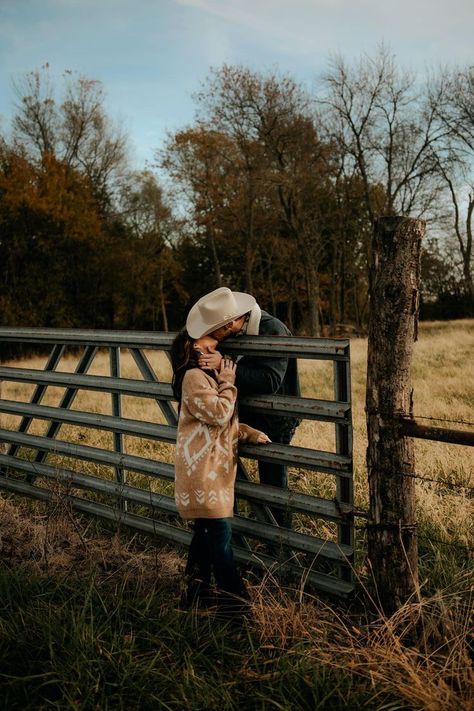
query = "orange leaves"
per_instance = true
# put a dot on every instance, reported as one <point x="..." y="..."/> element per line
<point x="49" y="193"/>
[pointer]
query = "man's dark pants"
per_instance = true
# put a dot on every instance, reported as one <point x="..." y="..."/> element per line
<point x="277" y="475"/>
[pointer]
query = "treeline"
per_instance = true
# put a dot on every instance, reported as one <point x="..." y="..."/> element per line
<point x="271" y="190"/>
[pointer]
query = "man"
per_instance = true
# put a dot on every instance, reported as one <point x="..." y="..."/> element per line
<point x="223" y="313"/>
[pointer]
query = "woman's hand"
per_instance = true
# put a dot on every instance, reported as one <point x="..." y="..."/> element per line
<point x="212" y="360"/>
<point x="250" y="434"/>
<point x="227" y="370"/>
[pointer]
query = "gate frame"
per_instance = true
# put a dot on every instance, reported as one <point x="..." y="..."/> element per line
<point x="339" y="463"/>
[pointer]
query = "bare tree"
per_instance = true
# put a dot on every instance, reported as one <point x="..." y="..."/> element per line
<point x="74" y="129"/>
<point x="231" y="104"/>
<point x="269" y="119"/>
<point x="386" y="131"/>
<point x="36" y="120"/>
<point x="451" y="95"/>
<point x="198" y="160"/>
<point x="152" y="265"/>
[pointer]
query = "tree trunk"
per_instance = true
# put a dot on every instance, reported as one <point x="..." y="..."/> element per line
<point x="289" y="311"/>
<point x="355" y="294"/>
<point x="163" y="303"/>
<point x="334" y="293"/>
<point x="215" y="258"/>
<point x="3" y="446"/>
<point x="249" y="245"/>
<point x="342" y="283"/>
<point x="467" y="254"/>
<point x="392" y="540"/>
<point x="312" y="285"/>
<point x="270" y="285"/>
<point x="248" y="269"/>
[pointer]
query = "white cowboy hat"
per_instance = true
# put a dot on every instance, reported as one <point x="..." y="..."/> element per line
<point x="215" y="309"/>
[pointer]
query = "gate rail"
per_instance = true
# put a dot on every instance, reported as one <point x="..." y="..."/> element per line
<point x="325" y="563"/>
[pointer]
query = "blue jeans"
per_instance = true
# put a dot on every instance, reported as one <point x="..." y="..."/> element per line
<point x="211" y="552"/>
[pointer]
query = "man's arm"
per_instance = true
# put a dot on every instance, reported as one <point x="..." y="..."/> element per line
<point x="263" y="374"/>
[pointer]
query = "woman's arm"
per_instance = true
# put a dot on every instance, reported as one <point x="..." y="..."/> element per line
<point x="209" y="402"/>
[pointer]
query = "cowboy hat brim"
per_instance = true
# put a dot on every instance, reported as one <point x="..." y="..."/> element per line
<point x="199" y="323"/>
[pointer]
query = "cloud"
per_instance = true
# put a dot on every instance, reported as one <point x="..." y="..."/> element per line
<point x="152" y="54"/>
<point x="414" y="29"/>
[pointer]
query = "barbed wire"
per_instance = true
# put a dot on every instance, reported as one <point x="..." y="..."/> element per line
<point x="428" y="539"/>
<point x="413" y="475"/>
<point x="440" y="482"/>
<point x="459" y="546"/>
<point x="442" y="419"/>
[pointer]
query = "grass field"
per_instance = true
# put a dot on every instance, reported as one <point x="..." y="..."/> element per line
<point x="89" y="621"/>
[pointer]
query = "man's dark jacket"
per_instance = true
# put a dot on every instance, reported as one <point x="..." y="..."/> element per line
<point x="261" y="375"/>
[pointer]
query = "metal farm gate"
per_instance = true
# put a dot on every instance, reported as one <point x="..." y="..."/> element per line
<point x="33" y="465"/>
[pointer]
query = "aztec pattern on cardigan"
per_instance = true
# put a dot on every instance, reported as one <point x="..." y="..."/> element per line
<point x="206" y="446"/>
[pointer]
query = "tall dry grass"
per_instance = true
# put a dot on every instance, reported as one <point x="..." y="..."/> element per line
<point x="420" y="658"/>
<point x="97" y="617"/>
<point x="443" y="381"/>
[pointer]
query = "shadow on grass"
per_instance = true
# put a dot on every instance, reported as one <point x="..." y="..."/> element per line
<point x="80" y="643"/>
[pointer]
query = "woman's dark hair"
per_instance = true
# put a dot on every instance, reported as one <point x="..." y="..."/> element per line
<point x="183" y="357"/>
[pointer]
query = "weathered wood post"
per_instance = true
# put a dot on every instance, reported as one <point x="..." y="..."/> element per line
<point x="3" y="446"/>
<point x="392" y="536"/>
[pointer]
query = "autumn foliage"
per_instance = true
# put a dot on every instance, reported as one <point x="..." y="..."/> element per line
<point x="271" y="190"/>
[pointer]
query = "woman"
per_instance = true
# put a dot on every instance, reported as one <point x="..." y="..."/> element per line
<point x="206" y="466"/>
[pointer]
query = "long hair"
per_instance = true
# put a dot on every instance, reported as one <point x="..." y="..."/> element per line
<point x="183" y="357"/>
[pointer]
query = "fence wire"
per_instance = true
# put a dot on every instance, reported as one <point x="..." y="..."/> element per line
<point x="440" y="482"/>
<point x="429" y="539"/>
<point x="442" y="419"/>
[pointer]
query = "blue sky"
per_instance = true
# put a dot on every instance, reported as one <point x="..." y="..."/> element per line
<point x="151" y="55"/>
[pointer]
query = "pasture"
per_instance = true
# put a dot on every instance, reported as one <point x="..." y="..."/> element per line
<point x="89" y="618"/>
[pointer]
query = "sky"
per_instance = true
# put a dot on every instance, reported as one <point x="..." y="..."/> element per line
<point x="151" y="55"/>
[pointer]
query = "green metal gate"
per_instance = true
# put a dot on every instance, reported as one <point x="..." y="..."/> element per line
<point x="32" y="463"/>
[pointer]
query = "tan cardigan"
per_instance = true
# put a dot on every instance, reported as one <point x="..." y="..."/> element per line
<point x="206" y="446"/>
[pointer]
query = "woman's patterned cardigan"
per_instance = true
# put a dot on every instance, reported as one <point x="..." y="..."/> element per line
<point x="206" y="446"/>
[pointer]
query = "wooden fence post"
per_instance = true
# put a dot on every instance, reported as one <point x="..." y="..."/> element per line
<point x="392" y="537"/>
<point x="3" y="446"/>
